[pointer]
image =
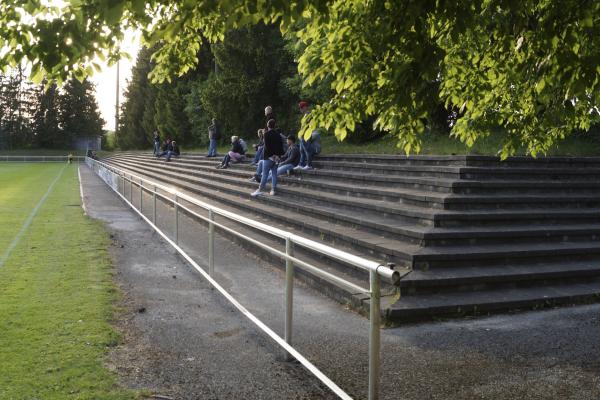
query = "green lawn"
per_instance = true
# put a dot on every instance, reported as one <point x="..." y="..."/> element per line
<point x="56" y="291"/>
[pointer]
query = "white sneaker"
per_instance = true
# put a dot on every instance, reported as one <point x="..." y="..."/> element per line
<point x="272" y="192"/>
<point x="307" y="167"/>
<point x="257" y="192"/>
<point x="298" y="167"/>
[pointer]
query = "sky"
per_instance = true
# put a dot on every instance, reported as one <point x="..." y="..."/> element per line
<point x="106" y="81"/>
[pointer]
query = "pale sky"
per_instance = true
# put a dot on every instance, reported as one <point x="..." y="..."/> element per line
<point x="106" y="81"/>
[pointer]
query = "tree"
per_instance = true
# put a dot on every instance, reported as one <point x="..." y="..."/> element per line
<point x="45" y="119"/>
<point x="530" y="66"/>
<point x="79" y="115"/>
<point x="136" y="124"/>
<point x="252" y="62"/>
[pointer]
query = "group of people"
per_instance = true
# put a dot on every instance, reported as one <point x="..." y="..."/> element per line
<point x="168" y="149"/>
<point x="275" y="153"/>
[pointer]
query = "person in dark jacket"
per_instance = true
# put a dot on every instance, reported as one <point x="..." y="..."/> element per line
<point x="156" y="143"/>
<point x="236" y="154"/>
<point x="268" y="116"/>
<point x="173" y="152"/>
<point x="167" y="146"/>
<point x="290" y="159"/>
<point x="271" y="156"/>
<point x="214" y="134"/>
<point x="258" y="147"/>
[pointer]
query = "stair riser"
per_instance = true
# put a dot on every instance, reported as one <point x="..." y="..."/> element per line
<point x="551" y="189"/>
<point x="525" y="219"/>
<point x="515" y="238"/>
<point x="520" y="205"/>
<point x="410" y="315"/>
<point x="397" y="170"/>
<point x="423" y="263"/>
<point x="549" y="176"/>
<point x="394" y="161"/>
<point x="497" y="282"/>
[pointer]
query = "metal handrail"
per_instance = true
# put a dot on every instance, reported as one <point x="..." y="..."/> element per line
<point x="376" y="270"/>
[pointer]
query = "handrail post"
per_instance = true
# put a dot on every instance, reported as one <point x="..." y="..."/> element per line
<point x="131" y="189"/>
<point x="154" y="207"/>
<point x="176" y="206"/>
<point x="374" y="335"/>
<point x="141" y="196"/>
<point x="289" y="295"/>
<point x="211" y="243"/>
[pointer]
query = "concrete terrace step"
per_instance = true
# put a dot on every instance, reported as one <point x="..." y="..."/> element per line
<point x="510" y="253"/>
<point x="411" y="197"/>
<point x="425" y="256"/>
<point x="491" y="244"/>
<point x="410" y="233"/>
<point x="463" y="172"/>
<point x="378" y="208"/>
<point x="486" y="301"/>
<point x="436" y="280"/>
<point x="368" y="243"/>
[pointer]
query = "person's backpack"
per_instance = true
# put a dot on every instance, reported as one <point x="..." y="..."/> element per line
<point x="244" y="145"/>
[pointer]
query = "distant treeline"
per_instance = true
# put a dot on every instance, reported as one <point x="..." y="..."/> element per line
<point x="36" y="116"/>
<point x="233" y="82"/>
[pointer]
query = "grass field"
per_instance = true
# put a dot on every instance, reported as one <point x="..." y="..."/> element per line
<point x="56" y="292"/>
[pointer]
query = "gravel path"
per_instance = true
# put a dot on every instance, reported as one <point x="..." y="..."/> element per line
<point x="183" y="340"/>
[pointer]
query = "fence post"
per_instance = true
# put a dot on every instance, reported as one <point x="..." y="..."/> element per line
<point x="176" y="205"/>
<point x="154" y="208"/>
<point x="141" y="196"/>
<point x="374" y="335"/>
<point x="289" y="295"/>
<point x="131" y="190"/>
<point x="211" y="243"/>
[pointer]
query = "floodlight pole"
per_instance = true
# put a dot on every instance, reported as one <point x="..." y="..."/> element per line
<point x="117" y="103"/>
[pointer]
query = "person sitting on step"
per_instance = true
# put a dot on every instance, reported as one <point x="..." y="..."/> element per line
<point x="236" y="154"/>
<point x="290" y="159"/>
<point x="174" y="152"/>
<point x="167" y="146"/>
<point x="271" y="155"/>
<point x="258" y="147"/>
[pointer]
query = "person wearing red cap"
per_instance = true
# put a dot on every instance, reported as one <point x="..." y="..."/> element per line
<point x="308" y="148"/>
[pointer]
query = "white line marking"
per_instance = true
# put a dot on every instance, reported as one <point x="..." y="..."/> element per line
<point x="25" y="226"/>
<point x="81" y="190"/>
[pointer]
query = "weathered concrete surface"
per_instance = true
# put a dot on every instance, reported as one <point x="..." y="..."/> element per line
<point x="189" y="343"/>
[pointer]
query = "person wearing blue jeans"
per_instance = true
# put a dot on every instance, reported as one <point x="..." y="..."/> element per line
<point x="272" y="151"/>
<point x="308" y="149"/>
<point x="259" y="147"/>
<point x="174" y="152"/>
<point x="289" y="160"/>
<point x="214" y="134"/>
<point x="156" y="143"/>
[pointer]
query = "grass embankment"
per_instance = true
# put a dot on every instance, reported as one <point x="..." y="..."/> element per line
<point x="439" y="144"/>
<point x="56" y="292"/>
